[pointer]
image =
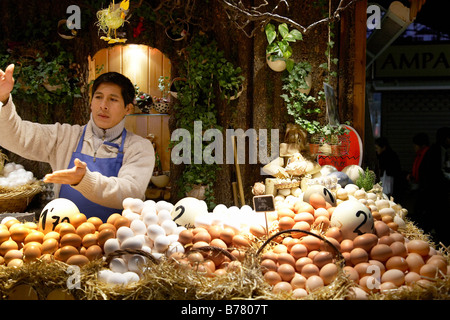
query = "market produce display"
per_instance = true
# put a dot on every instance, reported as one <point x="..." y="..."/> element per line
<point x="312" y="240"/>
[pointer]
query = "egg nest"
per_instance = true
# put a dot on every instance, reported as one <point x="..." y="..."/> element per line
<point x="166" y="279"/>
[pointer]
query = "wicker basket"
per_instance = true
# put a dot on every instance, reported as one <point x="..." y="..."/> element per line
<point x="18" y="199"/>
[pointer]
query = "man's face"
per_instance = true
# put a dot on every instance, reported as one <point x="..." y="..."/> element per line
<point x="108" y="107"/>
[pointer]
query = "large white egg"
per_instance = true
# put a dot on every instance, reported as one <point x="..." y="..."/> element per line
<point x="186" y="210"/>
<point x="56" y="211"/>
<point x="353" y="218"/>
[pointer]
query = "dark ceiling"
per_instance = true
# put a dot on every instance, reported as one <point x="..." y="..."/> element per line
<point x="433" y="13"/>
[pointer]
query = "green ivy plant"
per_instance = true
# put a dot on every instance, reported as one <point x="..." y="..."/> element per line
<point x="205" y="70"/>
<point x="279" y="43"/>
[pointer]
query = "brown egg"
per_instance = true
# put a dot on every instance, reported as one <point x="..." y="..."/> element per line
<point x="106" y="226"/>
<point x="112" y="218"/>
<point x="7" y="246"/>
<point x="214" y="231"/>
<point x="414" y="261"/>
<point x="218" y="243"/>
<point x="347" y="245"/>
<point x="19" y="233"/>
<point x="85" y="228"/>
<point x="381" y="252"/>
<point x="317" y="201"/>
<point x="50" y="246"/>
<point x="286" y="258"/>
<point x="282" y="287"/>
<point x="96" y="221"/>
<point x="397" y="277"/>
<point x="77" y="260"/>
<point x="321" y="212"/>
<point x="335" y="233"/>
<point x="64" y="228"/>
<point x="240" y="241"/>
<point x="351" y="273"/>
<point x="70" y="239"/>
<point x="393" y="226"/>
<point x="418" y="246"/>
<point x="397" y="237"/>
<point x="268" y="265"/>
<point x="399" y="249"/>
<point x="311" y="242"/>
<point x="32" y="243"/>
<point x="52" y="235"/>
<point x="15" y="263"/>
<point x="298" y="251"/>
<point x="10" y="222"/>
<point x="314" y="282"/>
<point x="304" y="216"/>
<point x="302" y="206"/>
<point x="94" y="252"/>
<point x="195" y="257"/>
<point x="34" y="236"/>
<point x="365" y="241"/>
<point x="286" y="271"/>
<point x="286" y="223"/>
<point x="362" y="270"/>
<point x="396" y="262"/>
<point x="358" y="255"/>
<point x="328" y="273"/>
<point x="121" y="222"/>
<point x="322" y="258"/>
<point x="300" y="225"/>
<point x="200" y="244"/>
<point x="4" y="235"/>
<point x="285" y="212"/>
<point x="238" y="254"/>
<point x="12" y="254"/>
<point x="381" y="228"/>
<point x="379" y="264"/>
<point x="227" y="235"/>
<point x="411" y="278"/>
<point x="31" y="253"/>
<point x="427" y="270"/>
<point x="386" y="240"/>
<point x="298" y="281"/>
<point x="66" y="252"/>
<point x="309" y="270"/>
<point x="258" y="231"/>
<point x="327" y="245"/>
<point x="78" y="219"/>
<point x="321" y="222"/>
<point x="185" y="237"/>
<point x="439" y="262"/>
<point x="300" y="263"/>
<point x="202" y="236"/>
<point x="210" y="265"/>
<point x="89" y="240"/>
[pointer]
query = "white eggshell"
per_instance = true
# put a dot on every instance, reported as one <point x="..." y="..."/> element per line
<point x="124" y="233"/>
<point x="150" y="218"/>
<point x="138" y="227"/>
<point x="118" y="265"/>
<point x="117" y="278"/>
<point x="133" y="243"/>
<point x="161" y="243"/>
<point x="169" y="226"/>
<point x="164" y="215"/>
<point x="154" y="230"/>
<point x="103" y="275"/>
<point x="136" y="263"/>
<point x="131" y="277"/>
<point x="111" y="245"/>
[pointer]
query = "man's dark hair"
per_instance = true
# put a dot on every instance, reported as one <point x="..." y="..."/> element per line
<point x="127" y="87"/>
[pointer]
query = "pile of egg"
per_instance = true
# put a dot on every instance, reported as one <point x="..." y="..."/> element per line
<point x="14" y="175"/>
<point x="150" y="228"/>
<point x="75" y="243"/>
<point x="301" y="263"/>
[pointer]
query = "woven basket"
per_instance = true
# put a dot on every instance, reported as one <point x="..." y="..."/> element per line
<point x="18" y="199"/>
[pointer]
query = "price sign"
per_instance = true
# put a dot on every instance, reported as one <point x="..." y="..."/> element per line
<point x="263" y="203"/>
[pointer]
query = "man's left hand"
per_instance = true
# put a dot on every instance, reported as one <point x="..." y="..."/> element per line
<point x="70" y="176"/>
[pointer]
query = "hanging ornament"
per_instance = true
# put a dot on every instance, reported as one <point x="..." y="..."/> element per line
<point x="111" y="19"/>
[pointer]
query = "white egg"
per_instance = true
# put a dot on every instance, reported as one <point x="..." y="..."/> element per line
<point x="131" y="215"/>
<point x="154" y="230"/>
<point x="150" y="218"/>
<point x="133" y="243"/>
<point x="178" y="230"/>
<point x="136" y="263"/>
<point x="138" y="227"/>
<point x="118" y="265"/>
<point x="164" y="215"/>
<point x="163" y="205"/>
<point x="103" y="275"/>
<point x="6" y="219"/>
<point x="175" y="247"/>
<point x="131" y="277"/>
<point x="147" y="249"/>
<point x="157" y="255"/>
<point x="161" y="243"/>
<point x="220" y="208"/>
<point x="124" y="233"/>
<point x="126" y="203"/>
<point x="117" y="278"/>
<point x="111" y="245"/>
<point x="172" y="238"/>
<point x="169" y="226"/>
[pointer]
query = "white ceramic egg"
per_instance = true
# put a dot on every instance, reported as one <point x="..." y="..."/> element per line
<point x="353" y="218"/>
<point x="185" y="211"/>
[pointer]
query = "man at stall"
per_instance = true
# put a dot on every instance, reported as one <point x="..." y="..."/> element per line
<point x="96" y="165"/>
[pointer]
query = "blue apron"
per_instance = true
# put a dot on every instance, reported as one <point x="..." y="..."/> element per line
<point x="108" y="167"/>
